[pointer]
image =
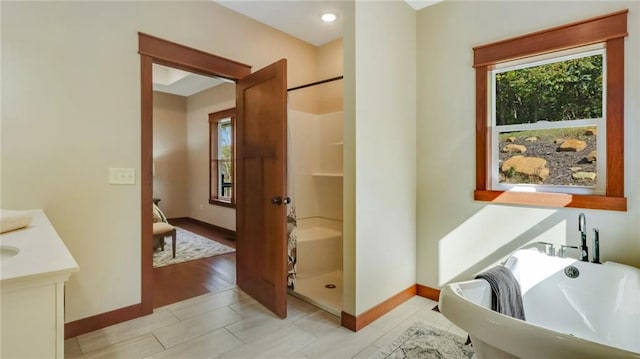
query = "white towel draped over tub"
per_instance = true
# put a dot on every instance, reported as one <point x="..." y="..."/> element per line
<point x="11" y="220"/>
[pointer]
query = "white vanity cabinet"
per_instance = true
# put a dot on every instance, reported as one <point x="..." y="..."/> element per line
<point x="32" y="290"/>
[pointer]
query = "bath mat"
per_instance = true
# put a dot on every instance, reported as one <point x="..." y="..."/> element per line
<point x="425" y="342"/>
<point x="189" y="246"/>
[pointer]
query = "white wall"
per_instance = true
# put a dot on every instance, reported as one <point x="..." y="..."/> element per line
<point x="303" y="142"/>
<point x="349" y="162"/>
<point x="181" y="154"/>
<point x="380" y="139"/>
<point x="316" y="148"/>
<point x="71" y="109"/>
<point x="458" y="237"/>
<point x="330" y="95"/>
<point x="315" y="126"/>
<point x="199" y="106"/>
<point x="330" y="143"/>
<point x="170" y="177"/>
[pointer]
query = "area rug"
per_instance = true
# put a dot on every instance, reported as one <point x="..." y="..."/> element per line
<point x="189" y="246"/>
<point x="426" y="342"/>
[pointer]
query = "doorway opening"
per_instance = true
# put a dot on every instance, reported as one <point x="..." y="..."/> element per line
<point x="153" y="50"/>
<point x="203" y="260"/>
<point x="261" y="112"/>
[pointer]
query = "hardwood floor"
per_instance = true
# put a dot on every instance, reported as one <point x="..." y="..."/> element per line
<point x="177" y="282"/>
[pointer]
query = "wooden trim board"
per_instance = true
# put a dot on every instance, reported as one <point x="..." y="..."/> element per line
<point x="427" y="292"/>
<point x="356" y="323"/>
<point x="223" y="230"/>
<point x="146" y="179"/>
<point x="86" y="325"/>
<point x="589" y="31"/>
<point x="186" y="58"/>
<point x="99" y="321"/>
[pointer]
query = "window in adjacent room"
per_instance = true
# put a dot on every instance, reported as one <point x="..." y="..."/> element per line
<point x="550" y="116"/>
<point x="221" y="170"/>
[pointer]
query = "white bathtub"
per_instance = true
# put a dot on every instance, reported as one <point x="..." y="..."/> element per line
<point x="596" y="315"/>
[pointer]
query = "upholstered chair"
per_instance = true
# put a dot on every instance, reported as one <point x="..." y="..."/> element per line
<point x="161" y="230"/>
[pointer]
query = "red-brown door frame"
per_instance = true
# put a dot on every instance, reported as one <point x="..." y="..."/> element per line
<point x="155" y="50"/>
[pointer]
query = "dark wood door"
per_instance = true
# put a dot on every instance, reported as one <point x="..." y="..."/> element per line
<point x="261" y="172"/>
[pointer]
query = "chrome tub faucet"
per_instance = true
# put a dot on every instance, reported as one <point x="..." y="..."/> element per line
<point x="548" y="248"/>
<point x="582" y="227"/>
<point x="596" y="246"/>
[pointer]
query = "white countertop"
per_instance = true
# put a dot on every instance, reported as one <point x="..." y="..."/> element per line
<point x="42" y="252"/>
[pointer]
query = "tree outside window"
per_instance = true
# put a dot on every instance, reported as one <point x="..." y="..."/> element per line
<point x="565" y="83"/>
<point x="547" y="122"/>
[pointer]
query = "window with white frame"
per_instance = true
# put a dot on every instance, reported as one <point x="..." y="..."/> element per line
<point x="548" y="116"/>
<point x="579" y="49"/>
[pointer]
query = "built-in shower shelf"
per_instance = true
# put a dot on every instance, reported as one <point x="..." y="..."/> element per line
<point x="326" y="174"/>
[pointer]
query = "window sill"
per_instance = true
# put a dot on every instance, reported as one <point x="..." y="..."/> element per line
<point x="553" y="200"/>
<point x="218" y="202"/>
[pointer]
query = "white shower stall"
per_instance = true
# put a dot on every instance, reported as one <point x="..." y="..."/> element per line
<point x="315" y="162"/>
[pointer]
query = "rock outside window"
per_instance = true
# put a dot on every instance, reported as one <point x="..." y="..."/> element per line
<point x="550" y="116"/>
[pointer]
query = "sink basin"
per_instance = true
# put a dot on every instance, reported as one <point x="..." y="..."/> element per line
<point x="7" y="252"/>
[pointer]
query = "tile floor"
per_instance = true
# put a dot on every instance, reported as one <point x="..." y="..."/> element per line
<point x="230" y="324"/>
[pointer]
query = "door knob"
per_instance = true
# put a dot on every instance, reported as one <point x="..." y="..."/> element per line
<point x="277" y="200"/>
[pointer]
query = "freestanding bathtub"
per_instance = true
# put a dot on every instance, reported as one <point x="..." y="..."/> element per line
<point x="594" y="315"/>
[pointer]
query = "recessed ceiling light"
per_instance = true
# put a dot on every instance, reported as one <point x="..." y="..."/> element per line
<point x="329" y="17"/>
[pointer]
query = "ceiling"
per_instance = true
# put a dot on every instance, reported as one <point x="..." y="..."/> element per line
<point x="182" y="83"/>
<point x="301" y="18"/>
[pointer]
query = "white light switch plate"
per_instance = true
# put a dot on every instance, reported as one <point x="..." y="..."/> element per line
<point x="122" y="176"/>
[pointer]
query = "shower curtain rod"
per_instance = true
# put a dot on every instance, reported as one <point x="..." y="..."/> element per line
<point x="315" y="83"/>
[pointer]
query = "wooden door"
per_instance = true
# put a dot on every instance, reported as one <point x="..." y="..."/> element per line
<point x="261" y="172"/>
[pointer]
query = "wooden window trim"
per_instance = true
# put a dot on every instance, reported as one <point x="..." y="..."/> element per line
<point x="610" y="29"/>
<point x="214" y="118"/>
